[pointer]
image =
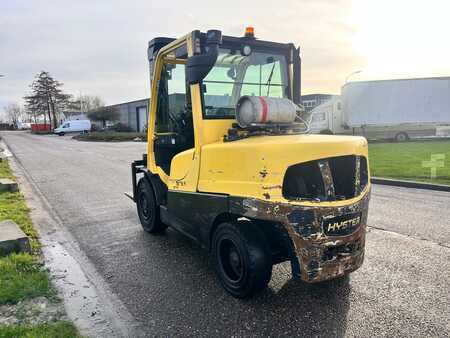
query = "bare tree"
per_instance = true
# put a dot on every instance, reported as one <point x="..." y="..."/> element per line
<point x="86" y="103"/>
<point x="14" y="114"/>
<point x="47" y="98"/>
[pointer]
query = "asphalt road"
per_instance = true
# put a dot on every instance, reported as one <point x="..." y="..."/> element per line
<point x="167" y="283"/>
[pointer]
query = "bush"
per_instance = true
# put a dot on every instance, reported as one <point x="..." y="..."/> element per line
<point x="110" y="136"/>
<point x="121" y="128"/>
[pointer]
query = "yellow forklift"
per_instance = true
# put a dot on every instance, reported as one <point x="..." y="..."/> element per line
<point x="230" y="164"/>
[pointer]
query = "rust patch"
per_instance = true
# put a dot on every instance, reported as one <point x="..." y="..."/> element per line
<point x="321" y="256"/>
<point x="263" y="173"/>
<point x="266" y="196"/>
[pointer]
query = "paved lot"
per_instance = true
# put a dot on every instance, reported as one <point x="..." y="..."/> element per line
<point x="168" y="285"/>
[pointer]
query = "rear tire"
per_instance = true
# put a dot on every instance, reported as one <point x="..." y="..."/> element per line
<point x="242" y="258"/>
<point x="147" y="208"/>
<point x="61" y="134"/>
<point x="401" y="137"/>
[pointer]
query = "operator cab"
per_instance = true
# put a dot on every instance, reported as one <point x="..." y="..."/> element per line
<point x="212" y="72"/>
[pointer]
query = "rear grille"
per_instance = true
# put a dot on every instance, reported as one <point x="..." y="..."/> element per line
<point x="330" y="179"/>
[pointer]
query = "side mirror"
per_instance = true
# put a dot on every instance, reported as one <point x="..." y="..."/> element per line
<point x="198" y="66"/>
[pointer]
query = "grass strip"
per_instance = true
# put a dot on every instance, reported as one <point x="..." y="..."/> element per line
<point x="55" y="330"/>
<point x="21" y="277"/>
<point x="406" y="160"/>
<point x="110" y="136"/>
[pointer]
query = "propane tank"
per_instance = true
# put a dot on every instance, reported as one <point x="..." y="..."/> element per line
<point x="262" y="109"/>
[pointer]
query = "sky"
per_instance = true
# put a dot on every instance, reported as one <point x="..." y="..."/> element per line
<point x="98" y="47"/>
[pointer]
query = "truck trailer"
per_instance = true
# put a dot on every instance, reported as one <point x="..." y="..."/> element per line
<point x="386" y="109"/>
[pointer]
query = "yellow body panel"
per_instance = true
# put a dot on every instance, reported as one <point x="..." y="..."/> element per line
<point x="184" y="171"/>
<point x="255" y="166"/>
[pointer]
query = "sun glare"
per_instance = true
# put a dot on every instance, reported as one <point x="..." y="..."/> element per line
<point x="402" y="38"/>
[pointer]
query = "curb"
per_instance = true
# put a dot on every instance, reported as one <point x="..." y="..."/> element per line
<point x="409" y="184"/>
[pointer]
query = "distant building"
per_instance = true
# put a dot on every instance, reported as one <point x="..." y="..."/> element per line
<point x="133" y="114"/>
<point x="311" y="101"/>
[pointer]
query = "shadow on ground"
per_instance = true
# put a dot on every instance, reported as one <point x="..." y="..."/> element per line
<point x="180" y="295"/>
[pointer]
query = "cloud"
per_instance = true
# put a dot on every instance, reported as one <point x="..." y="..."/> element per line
<point x="99" y="47"/>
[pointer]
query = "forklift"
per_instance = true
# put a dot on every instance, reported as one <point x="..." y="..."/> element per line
<point x="231" y="165"/>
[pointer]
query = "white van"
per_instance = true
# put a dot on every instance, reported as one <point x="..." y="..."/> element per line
<point x="73" y="127"/>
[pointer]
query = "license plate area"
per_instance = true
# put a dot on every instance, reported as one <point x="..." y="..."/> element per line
<point x="341" y="225"/>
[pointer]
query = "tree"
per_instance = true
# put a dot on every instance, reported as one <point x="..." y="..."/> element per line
<point x="14" y="114"/>
<point x="86" y="103"/>
<point x="104" y="114"/>
<point x="47" y="98"/>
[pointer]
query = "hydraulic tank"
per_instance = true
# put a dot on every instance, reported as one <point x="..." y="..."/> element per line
<point x="262" y="109"/>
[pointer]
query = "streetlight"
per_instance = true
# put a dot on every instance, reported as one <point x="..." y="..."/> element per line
<point x="351" y="74"/>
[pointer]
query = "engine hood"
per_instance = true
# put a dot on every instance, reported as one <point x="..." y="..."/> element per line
<point x="255" y="166"/>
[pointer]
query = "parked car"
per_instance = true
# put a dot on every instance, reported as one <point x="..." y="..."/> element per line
<point x="73" y="126"/>
<point x="23" y="125"/>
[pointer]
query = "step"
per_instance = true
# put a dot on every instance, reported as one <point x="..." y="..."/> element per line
<point x="7" y="184"/>
<point x="12" y="239"/>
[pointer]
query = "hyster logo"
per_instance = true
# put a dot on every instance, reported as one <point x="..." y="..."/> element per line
<point x="343" y="224"/>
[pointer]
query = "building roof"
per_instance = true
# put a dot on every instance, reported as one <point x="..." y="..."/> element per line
<point x="316" y="95"/>
<point x="128" y="102"/>
<point x="402" y="79"/>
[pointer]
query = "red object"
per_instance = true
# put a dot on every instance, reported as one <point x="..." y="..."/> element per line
<point x="264" y="109"/>
<point x="40" y="127"/>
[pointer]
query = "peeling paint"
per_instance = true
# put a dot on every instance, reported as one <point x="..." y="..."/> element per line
<point x="321" y="256"/>
<point x="263" y="173"/>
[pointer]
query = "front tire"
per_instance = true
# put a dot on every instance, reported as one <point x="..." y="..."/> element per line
<point x="242" y="258"/>
<point x="147" y="208"/>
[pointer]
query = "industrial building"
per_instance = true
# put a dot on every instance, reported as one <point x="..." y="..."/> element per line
<point x="133" y="114"/>
<point x="311" y="101"/>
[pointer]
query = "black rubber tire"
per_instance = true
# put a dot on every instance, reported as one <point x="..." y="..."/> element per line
<point x="61" y="134"/>
<point x="241" y="246"/>
<point x="147" y="209"/>
<point x="401" y="137"/>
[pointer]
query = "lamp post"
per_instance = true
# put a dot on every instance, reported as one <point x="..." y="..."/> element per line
<point x="351" y="74"/>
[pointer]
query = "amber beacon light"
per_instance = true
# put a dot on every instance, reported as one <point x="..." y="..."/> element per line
<point x="249" y="32"/>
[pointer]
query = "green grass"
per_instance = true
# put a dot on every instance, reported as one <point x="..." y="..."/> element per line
<point x="13" y="207"/>
<point x="57" y="330"/>
<point x="404" y="160"/>
<point x="5" y="170"/>
<point x="110" y="136"/>
<point x="21" y="276"/>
